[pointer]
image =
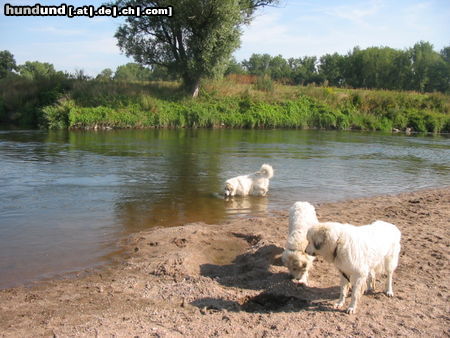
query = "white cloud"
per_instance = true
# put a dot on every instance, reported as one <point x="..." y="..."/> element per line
<point x="265" y="28"/>
<point x="358" y="15"/>
<point x="270" y="34"/>
<point x="314" y="29"/>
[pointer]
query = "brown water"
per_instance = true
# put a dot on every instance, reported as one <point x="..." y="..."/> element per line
<point x="68" y="197"/>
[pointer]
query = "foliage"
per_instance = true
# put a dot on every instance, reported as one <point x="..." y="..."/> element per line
<point x="105" y="75"/>
<point x="21" y="99"/>
<point x="7" y="63"/>
<point x="56" y="116"/>
<point x="195" y="43"/>
<point x="132" y="72"/>
<point x="122" y="105"/>
<point x="36" y="70"/>
<point x="234" y="67"/>
<point x="264" y="83"/>
<point x="419" y="68"/>
<point x="41" y="96"/>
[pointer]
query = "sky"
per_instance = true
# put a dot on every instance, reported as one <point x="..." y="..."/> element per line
<point x="294" y="28"/>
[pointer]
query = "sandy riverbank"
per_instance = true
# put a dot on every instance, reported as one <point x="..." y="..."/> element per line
<point x="227" y="280"/>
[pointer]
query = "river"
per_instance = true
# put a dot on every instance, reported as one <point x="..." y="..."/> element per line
<point x="68" y="197"/>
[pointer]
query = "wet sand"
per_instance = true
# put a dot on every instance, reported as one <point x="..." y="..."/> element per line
<point x="227" y="280"/>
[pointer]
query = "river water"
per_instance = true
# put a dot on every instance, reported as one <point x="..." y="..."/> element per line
<point x="66" y="198"/>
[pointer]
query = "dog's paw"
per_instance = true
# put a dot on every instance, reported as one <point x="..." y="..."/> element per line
<point x="351" y="310"/>
<point x="389" y="293"/>
<point x="338" y="305"/>
<point x="369" y="291"/>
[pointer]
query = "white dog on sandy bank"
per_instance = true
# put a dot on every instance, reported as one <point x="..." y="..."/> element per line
<point x="358" y="252"/>
<point x="256" y="184"/>
<point x="302" y="216"/>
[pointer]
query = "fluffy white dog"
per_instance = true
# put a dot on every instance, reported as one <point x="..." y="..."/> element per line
<point x="358" y="252"/>
<point x="302" y="216"/>
<point x="256" y="184"/>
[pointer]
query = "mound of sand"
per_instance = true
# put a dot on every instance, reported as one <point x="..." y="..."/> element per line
<point x="227" y="280"/>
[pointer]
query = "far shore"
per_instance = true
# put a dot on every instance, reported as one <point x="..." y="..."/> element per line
<point x="201" y="280"/>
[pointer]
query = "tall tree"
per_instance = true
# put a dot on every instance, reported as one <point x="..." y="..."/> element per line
<point x="258" y="64"/>
<point x="35" y="69"/>
<point x="279" y="68"/>
<point x="304" y="70"/>
<point x="195" y="43"/>
<point x="105" y="75"/>
<point x="331" y="68"/>
<point x="7" y="63"/>
<point x="423" y="58"/>
<point x="234" y="67"/>
<point x="132" y="72"/>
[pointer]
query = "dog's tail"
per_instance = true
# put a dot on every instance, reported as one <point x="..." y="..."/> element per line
<point x="266" y="170"/>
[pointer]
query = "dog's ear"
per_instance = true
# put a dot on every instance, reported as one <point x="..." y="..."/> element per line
<point x="320" y="238"/>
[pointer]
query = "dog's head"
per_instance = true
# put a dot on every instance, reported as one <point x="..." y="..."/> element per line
<point x="297" y="262"/>
<point x="229" y="190"/>
<point x="318" y="238"/>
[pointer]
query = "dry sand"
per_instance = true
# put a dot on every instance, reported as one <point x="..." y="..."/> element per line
<point x="227" y="280"/>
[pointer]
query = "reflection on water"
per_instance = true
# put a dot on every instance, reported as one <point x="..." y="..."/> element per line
<point x="67" y="197"/>
<point x="251" y="205"/>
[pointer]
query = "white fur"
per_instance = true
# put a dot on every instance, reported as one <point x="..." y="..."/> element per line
<point x="302" y="216"/>
<point x="357" y="252"/>
<point x="256" y="184"/>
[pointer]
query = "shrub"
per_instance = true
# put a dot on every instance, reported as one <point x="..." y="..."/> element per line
<point x="264" y="83"/>
<point x="57" y="116"/>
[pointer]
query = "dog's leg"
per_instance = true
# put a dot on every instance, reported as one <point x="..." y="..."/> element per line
<point x="371" y="282"/>
<point x="391" y="263"/>
<point x="345" y="286"/>
<point x="357" y="288"/>
<point x="389" y="292"/>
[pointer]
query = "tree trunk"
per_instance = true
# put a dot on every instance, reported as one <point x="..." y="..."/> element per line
<point x="192" y="85"/>
<point x="195" y="89"/>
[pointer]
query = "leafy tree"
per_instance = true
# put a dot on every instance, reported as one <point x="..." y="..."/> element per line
<point x="35" y="69"/>
<point x="258" y="64"/>
<point x="234" y="67"/>
<point x="331" y="68"/>
<point x="439" y="76"/>
<point x="423" y="57"/>
<point x="304" y="70"/>
<point x="7" y="63"/>
<point x="80" y="75"/>
<point x="279" y="68"/>
<point x="401" y="71"/>
<point x="159" y="73"/>
<point x="105" y="75"/>
<point x="195" y="43"/>
<point x="132" y="72"/>
<point x="445" y="53"/>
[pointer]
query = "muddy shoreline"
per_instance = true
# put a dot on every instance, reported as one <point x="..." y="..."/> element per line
<point x="227" y="280"/>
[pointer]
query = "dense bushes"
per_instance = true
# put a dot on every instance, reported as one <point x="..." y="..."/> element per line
<point x="21" y="99"/>
<point x="72" y="103"/>
<point x="305" y="107"/>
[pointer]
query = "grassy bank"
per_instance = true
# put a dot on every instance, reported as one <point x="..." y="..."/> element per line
<point x="227" y="103"/>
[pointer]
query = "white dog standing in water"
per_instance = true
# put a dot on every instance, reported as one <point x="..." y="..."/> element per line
<point x="256" y="184"/>
<point x="358" y="252"/>
<point x="302" y="216"/>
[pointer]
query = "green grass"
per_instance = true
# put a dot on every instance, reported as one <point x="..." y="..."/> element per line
<point x="112" y="104"/>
